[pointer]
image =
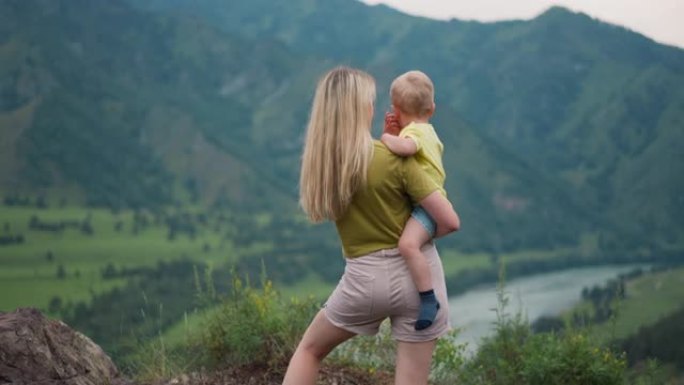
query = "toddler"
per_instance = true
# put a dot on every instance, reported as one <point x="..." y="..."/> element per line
<point x="408" y="132"/>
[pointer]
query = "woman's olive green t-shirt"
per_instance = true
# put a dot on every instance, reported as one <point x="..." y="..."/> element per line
<point x="378" y="212"/>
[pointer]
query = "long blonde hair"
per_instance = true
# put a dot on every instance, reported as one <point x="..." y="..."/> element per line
<point x="338" y="146"/>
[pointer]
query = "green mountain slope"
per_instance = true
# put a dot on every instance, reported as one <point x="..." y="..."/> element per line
<point x="132" y="108"/>
<point x="594" y="106"/>
<point x="547" y="131"/>
<point x="126" y="107"/>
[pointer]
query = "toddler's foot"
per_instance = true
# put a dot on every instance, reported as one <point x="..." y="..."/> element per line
<point x="428" y="310"/>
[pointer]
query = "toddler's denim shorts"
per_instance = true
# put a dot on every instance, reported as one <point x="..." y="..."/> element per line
<point x="425" y="219"/>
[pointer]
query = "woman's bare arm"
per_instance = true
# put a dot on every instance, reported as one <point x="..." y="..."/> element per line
<point x="441" y="210"/>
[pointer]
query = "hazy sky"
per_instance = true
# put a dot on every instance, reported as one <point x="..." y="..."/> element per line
<point x="661" y="20"/>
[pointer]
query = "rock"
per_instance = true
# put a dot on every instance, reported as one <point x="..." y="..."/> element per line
<point x="37" y="350"/>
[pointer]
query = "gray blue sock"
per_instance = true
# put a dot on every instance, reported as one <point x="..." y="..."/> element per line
<point x="428" y="309"/>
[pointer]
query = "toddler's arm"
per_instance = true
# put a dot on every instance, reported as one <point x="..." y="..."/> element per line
<point x="398" y="146"/>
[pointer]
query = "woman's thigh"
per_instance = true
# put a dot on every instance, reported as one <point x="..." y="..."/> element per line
<point x="322" y="336"/>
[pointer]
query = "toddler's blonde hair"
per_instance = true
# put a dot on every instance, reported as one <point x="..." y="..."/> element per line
<point x="413" y="93"/>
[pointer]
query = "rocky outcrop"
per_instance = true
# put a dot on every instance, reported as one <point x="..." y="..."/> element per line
<point x="41" y="351"/>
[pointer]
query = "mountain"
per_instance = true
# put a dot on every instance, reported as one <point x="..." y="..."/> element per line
<point x="556" y="129"/>
<point x="593" y="106"/>
<point x="127" y="108"/>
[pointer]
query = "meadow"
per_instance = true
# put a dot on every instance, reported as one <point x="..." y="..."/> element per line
<point x="648" y="299"/>
<point x="74" y="253"/>
<point x="71" y="264"/>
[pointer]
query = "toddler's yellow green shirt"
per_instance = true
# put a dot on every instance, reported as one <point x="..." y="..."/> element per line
<point x="430" y="150"/>
<point x="378" y="212"/>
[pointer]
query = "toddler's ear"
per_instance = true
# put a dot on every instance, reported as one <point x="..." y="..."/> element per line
<point x="432" y="111"/>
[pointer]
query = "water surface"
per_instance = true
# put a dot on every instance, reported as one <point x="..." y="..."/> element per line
<point x="535" y="296"/>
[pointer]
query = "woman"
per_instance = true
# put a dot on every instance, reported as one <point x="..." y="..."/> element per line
<point x="349" y="178"/>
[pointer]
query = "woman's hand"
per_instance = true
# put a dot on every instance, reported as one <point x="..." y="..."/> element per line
<point x="391" y="124"/>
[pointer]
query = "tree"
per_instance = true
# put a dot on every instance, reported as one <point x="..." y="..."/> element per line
<point x="61" y="272"/>
<point x="41" y="203"/>
<point x="87" y="228"/>
<point x="55" y="305"/>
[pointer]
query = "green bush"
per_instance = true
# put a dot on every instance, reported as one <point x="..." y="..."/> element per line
<point x="513" y="355"/>
<point x="371" y="353"/>
<point x="448" y="360"/>
<point x="377" y="353"/>
<point x="545" y="358"/>
<point x="256" y="326"/>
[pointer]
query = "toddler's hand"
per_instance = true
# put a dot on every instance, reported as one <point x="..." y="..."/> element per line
<point x="391" y="124"/>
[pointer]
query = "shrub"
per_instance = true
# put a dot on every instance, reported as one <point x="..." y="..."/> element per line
<point x="376" y="354"/>
<point x="448" y="360"/>
<point x="256" y="326"/>
<point x="371" y="353"/>
<point x="546" y="358"/>
<point x="513" y="355"/>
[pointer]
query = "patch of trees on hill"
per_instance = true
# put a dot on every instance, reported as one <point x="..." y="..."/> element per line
<point x="84" y="226"/>
<point x="661" y="341"/>
<point x="6" y="240"/>
<point x="149" y="303"/>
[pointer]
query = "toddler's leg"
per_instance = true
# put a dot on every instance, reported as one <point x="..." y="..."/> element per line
<point x="413" y="237"/>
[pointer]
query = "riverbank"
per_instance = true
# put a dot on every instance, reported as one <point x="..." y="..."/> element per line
<point x="545" y="294"/>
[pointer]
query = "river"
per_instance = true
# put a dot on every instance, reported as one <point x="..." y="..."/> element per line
<point x="536" y="295"/>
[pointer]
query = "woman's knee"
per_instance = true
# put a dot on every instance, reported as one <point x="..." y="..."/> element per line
<point x="321" y="337"/>
<point x="313" y="350"/>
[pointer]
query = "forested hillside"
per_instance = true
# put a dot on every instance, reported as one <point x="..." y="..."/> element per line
<point x="595" y="108"/>
<point x="135" y="110"/>
<point x="127" y="108"/>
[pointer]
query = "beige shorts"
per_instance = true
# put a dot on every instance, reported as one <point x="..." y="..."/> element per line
<point x="379" y="285"/>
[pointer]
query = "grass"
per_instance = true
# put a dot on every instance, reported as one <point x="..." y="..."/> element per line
<point x="192" y="325"/>
<point x="22" y="291"/>
<point x="311" y="285"/>
<point x="454" y="261"/>
<point x="649" y="298"/>
<point x="29" y="278"/>
<point x="187" y="329"/>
